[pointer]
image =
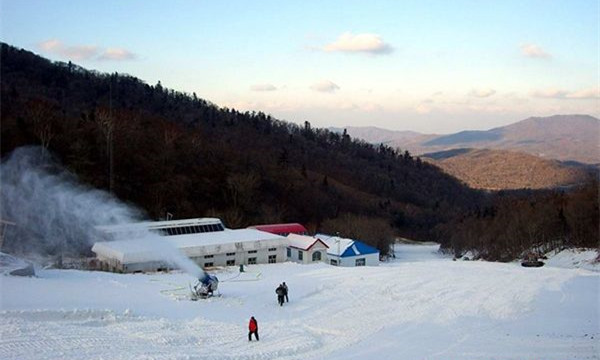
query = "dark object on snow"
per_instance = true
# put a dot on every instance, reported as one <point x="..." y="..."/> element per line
<point x="205" y="287"/>
<point x="531" y="260"/>
<point x="25" y="271"/>
<point x="532" y="263"/>
<point x="252" y="328"/>
<point x="280" y="291"/>
<point x="285" y="292"/>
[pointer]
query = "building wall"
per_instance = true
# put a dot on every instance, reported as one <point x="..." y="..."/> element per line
<point x="241" y="257"/>
<point x="350" y="261"/>
<point x="204" y="261"/>
<point x="306" y="255"/>
<point x="114" y="265"/>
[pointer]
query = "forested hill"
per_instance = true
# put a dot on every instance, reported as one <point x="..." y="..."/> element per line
<point x="167" y="151"/>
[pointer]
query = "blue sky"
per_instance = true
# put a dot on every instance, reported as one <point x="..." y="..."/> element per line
<point x="429" y="66"/>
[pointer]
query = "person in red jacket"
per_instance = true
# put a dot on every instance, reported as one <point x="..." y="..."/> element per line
<point x="253" y="329"/>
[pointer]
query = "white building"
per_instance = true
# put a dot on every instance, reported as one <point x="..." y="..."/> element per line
<point x="205" y="241"/>
<point x="348" y="252"/>
<point x="306" y="249"/>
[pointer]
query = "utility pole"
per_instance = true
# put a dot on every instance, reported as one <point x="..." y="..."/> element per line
<point x="339" y="260"/>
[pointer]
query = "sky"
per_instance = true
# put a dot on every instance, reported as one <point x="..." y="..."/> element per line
<point x="427" y="66"/>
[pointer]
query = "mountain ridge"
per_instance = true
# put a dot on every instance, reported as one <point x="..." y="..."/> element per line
<point x="573" y="137"/>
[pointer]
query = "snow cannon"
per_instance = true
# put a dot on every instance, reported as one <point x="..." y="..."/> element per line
<point x="206" y="286"/>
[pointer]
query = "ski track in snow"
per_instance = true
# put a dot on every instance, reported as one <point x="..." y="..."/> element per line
<point x="408" y="309"/>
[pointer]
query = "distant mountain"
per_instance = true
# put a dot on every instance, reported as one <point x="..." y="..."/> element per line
<point x="560" y="137"/>
<point x="501" y="169"/>
<point x="377" y="135"/>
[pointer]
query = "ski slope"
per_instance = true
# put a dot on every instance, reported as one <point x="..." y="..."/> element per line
<point x="420" y="306"/>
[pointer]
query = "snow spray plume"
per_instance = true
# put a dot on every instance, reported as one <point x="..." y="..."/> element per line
<point x="57" y="215"/>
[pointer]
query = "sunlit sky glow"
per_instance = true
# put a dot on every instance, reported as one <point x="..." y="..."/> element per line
<point x="428" y="66"/>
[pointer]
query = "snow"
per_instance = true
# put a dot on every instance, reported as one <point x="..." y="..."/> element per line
<point x="303" y="242"/>
<point x="422" y="305"/>
<point x="227" y="237"/>
<point x="337" y="245"/>
<point x="575" y="258"/>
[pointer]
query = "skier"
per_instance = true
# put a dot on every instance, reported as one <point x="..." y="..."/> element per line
<point x="285" y="292"/>
<point x="280" y="293"/>
<point x="252" y="328"/>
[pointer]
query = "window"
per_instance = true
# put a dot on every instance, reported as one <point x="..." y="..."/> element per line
<point x="208" y="264"/>
<point x="316" y="256"/>
<point x="300" y="256"/>
<point x="333" y="262"/>
<point x="208" y="256"/>
<point x="272" y="249"/>
<point x="360" y="262"/>
<point x="272" y="259"/>
<point x="230" y="262"/>
<point x="230" y="254"/>
<point x="289" y="252"/>
<point x="251" y="261"/>
<point x="252" y="252"/>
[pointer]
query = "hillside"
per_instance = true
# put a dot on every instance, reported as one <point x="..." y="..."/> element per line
<point x="166" y="151"/>
<point x="559" y="137"/>
<point x="501" y="169"/>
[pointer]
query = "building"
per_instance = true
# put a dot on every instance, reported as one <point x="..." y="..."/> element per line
<point x="206" y="241"/>
<point x="282" y="229"/>
<point x="233" y="247"/>
<point x="306" y="249"/>
<point x="348" y="252"/>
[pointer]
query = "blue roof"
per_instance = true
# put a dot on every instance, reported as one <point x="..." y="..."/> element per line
<point x="358" y="248"/>
<point x="347" y="247"/>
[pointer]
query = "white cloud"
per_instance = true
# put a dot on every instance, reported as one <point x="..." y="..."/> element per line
<point x="534" y="51"/>
<point x="325" y="86"/>
<point x="552" y="93"/>
<point x="263" y="87"/>
<point x="591" y="93"/>
<point x="422" y="109"/>
<point x="117" y="54"/>
<point x="360" y="43"/>
<point x="50" y="45"/>
<point x="78" y="52"/>
<point x="482" y="93"/>
<point x="84" y="52"/>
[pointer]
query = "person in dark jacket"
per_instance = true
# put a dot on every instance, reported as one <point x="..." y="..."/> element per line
<point x="252" y="328"/>
<point x="280" y="293"/>
<point x="285" y="292"/>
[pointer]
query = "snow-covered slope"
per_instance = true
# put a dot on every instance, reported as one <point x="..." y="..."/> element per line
<point x="575" y="259"/>
<point x="421" y="306"/>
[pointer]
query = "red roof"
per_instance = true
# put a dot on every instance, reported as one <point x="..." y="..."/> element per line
<point x="291" y="228"/>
